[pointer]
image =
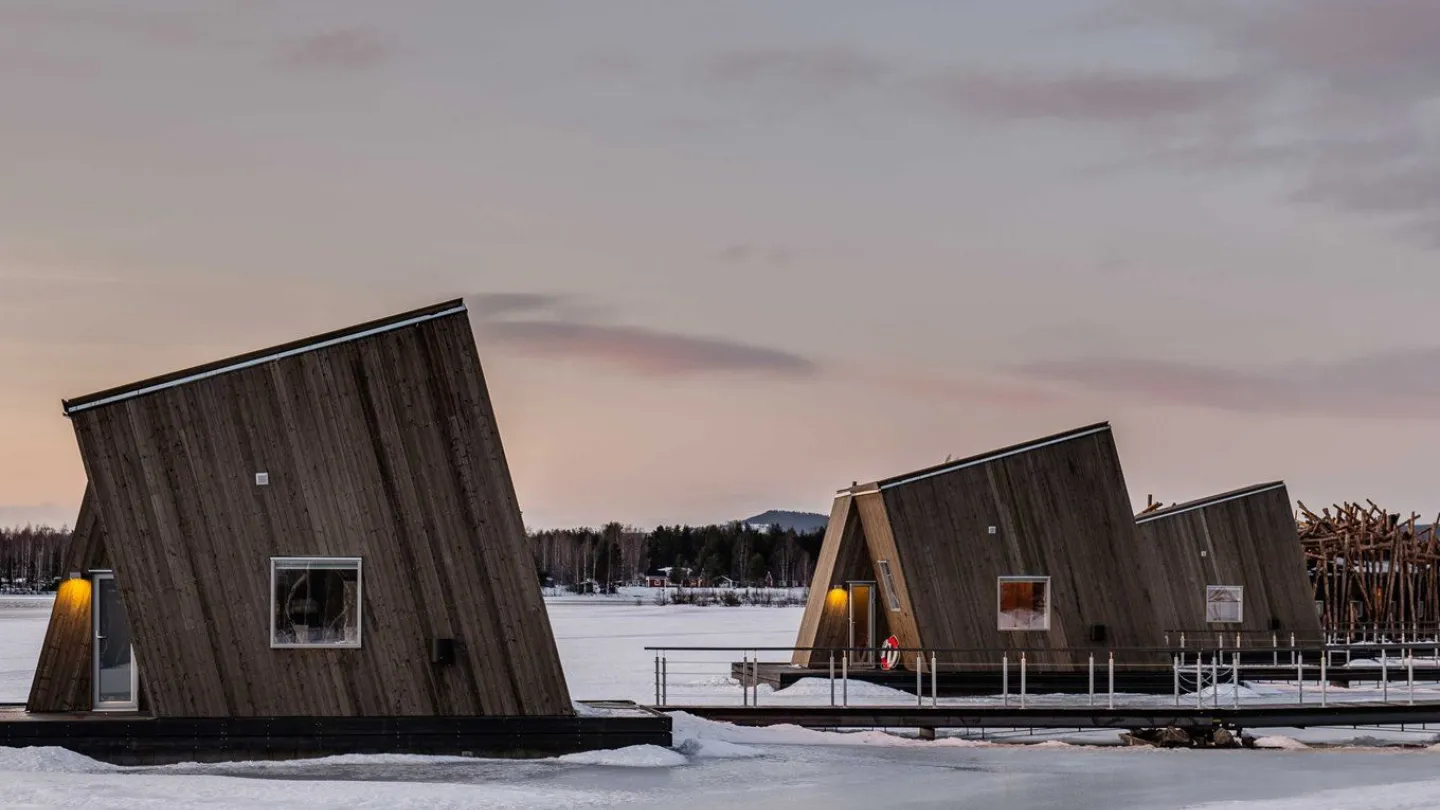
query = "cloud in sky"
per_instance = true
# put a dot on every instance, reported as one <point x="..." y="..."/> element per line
<point x="1357" y="72"/>
<point x="645" y="351"/>
<point x="342" y="50"/>
<point x="47" y="514"/>
<point x="823" y="68"/>
<point x="1403" y="383"/>
<point x="491" y="305"/>
<point x="1093" y="96"/>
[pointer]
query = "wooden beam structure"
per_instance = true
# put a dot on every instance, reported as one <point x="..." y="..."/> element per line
<point x="1372" y="571"/>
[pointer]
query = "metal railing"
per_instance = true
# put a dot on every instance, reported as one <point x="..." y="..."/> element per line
<point x="1198" y="675"/>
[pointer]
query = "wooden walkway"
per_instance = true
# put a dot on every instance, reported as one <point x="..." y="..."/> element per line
<point x="1066" y="717"/>
<point x="139" y="739"/>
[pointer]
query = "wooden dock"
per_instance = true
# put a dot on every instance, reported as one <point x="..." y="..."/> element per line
<point x="139" y="739"/>
<point x="1071" y="717"/>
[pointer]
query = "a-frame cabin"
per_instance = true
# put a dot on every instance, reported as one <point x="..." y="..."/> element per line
<point x="1031" y="547"/>
<point x="1233" y="563"/>
<point x="325" y="529"/>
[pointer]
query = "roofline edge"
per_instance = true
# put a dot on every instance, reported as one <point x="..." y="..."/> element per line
<point x="77" y="405"/>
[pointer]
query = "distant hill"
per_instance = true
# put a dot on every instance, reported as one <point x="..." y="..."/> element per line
<point x="799" y="521"/>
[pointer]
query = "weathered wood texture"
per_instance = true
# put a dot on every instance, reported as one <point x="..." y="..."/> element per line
<point x="64" y="671"/>
<point x="1060" y="509"/>
<point x="383" y="447"/>
<point x="880" y="544"/>
<point x="1245" y="538"/>
<point x="843" y="559"/>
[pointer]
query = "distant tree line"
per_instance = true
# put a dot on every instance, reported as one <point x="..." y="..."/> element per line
<point x="31" y="557"/>
<point x="617" y="555"/>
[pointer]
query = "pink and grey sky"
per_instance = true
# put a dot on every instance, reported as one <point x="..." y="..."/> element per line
<point x="728" y="257"/>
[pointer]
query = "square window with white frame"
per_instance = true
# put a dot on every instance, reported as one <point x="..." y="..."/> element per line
<point x="1224" y="604"/>
<point x="315" y="602"/>
<point x="1024" y="603"/>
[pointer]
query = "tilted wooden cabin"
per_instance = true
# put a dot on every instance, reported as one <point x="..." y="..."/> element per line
<point x="323" y="529"/>
<point x="1031" y="547"/>
<point x="1231" y="562"/>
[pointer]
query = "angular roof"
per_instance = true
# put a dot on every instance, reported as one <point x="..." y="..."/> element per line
<point x="1201" y="503"/>
<point x="993" y="455"/>
<point x="255" y="358"/>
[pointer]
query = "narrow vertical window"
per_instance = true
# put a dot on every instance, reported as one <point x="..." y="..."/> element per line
<point x="315" y="602"/>
<point x="887" y="581"/>
<point x="1224" y="604"/>
<point x="1024" y="603"/>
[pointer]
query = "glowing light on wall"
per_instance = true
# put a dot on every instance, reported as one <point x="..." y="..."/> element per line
<point x="73" y="593"/>
<point x="837" y="598"/>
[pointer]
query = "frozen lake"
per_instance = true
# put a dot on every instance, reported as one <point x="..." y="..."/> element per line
<point x="716" y="766"/>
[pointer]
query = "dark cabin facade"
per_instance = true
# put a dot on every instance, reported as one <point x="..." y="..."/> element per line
<point x="1232" y="563"/>
<point x="323" y="529"/>
<point x="1031" y="547"/>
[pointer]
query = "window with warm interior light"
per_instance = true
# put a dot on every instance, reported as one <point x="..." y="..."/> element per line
<point x="315" y="602"/>
<point x="1024" y="603"/>
<point x="887" y="581"/>
<point x="1224" y="604"/>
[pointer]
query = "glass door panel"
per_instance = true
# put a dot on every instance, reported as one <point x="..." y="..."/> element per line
<point x="862" y="622"/>
<point x="114" y="673"/>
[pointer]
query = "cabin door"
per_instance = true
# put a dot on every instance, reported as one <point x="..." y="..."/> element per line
<point x="862" y="622"/>
<point x="114" y="675"/>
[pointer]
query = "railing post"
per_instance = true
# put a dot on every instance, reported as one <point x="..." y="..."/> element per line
<point x="1324" y="679"/>
<point x="1275" y="649"/>
<point x="1300" y="673"/>
<point x="665" y="679"/>
<point x="1384" y="676"/>
<point x="832" y="677"/>
<point x="1215" y="679"/>
<point x="919" y="680"/>
<point x="657" y="678"/>
<point x="1410" y="678"/>
<point x="1182" y="641"/>
<point x="1175" y="667"/>
<point x="1199" y="682"/>
<point x="1022" y="679"/>
<point x="1092" y="679"/>
<point x="1111" y="667"/>
<point x="755" y="664"/>
<point x="744" y="677"/>
<point x="845" y="679"/>
<point x="1005" y="678"/>
<point x="1235" y="679"/>
<point x="1292" y="648"/>
<point x="934" y="681"/>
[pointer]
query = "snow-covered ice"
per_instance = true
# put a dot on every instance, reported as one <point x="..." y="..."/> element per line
<point x="714" y="765"/>
<point x="22" y="629"/>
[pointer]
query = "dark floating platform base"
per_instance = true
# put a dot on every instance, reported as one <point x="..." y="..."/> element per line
<point x="139" y="739"/>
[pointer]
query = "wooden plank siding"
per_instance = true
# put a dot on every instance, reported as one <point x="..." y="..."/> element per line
<point x="881" y="545"/>
<point x="381" y="446"/>
<point x="64" y="671"/>
<point x="843" y="558"/>
<point x="1060" y="509"/>
<point x="1246" y="538"/>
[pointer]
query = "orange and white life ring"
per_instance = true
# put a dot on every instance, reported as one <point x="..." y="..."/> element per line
<point x="890" y="653"/>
